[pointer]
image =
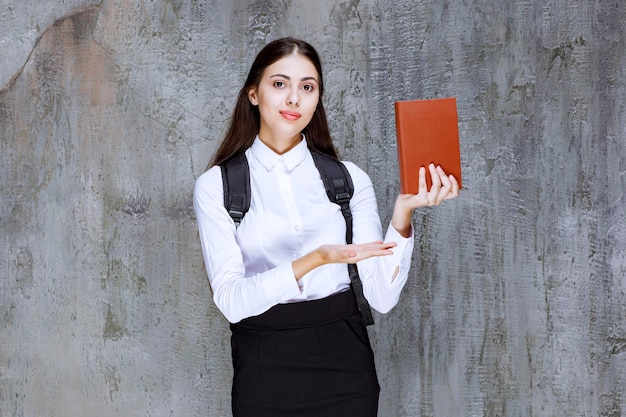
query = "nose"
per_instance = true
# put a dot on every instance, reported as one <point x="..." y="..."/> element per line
<point x="294" y="98"/>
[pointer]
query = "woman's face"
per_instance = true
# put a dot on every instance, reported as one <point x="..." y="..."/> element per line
<point x="287" y="96"/>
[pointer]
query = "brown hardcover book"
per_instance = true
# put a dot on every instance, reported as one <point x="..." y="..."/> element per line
<point x="427" y="131"/>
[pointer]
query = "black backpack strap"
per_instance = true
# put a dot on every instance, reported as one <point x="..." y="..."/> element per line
<point x="236" y="181"/>
<point x="339" y="189"/>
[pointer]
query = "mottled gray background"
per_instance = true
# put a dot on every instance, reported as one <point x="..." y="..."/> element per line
<point x="110" y="109"/>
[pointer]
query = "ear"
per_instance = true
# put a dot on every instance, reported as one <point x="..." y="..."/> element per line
<point x="252" y="96"/>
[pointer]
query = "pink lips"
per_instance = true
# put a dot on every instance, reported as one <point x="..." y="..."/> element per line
<point x="290" y="115"/>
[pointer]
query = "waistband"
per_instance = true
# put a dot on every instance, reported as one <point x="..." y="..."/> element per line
<point x="303" y="314"/>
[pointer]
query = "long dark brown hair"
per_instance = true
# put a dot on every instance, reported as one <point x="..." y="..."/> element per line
<point x="246" y="120"/>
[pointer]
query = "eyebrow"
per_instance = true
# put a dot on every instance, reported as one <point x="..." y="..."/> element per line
<point x="289" y="78"/>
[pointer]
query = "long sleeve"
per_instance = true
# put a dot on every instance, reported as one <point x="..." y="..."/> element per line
<point x="383" y="277"/>
<point x="235" y="294"/>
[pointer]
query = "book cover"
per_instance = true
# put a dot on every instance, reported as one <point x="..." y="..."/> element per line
<point x="427" y="131"/>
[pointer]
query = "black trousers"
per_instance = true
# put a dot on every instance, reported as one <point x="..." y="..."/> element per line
<point x="304" y="359"/>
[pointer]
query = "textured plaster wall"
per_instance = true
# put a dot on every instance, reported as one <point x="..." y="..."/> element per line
<point x="110" y="109"/>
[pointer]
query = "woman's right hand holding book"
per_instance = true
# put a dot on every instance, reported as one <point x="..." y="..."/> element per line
<point x="444" y="187"/>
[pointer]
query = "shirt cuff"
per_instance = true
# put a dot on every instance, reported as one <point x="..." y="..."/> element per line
<point x="403" y="252"/>
<point x="394" y="236"/>
<point x="284" y="285"/>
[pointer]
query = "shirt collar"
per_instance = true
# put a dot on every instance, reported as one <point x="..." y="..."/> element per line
<point x="268" y="158"/>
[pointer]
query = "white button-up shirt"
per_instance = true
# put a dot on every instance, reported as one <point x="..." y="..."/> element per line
<point x="290" y="215"/>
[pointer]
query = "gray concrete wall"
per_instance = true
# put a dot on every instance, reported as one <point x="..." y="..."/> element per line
<point x="110" y="109"/>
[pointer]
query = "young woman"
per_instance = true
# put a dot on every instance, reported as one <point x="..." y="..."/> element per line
<point x="299" y="345"/>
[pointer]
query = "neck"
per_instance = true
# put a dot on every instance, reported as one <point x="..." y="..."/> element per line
<point x="281" y="146"/>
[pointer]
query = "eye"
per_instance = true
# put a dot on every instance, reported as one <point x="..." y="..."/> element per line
<point x="279" y="84"/>
<point x="308" y="87"/>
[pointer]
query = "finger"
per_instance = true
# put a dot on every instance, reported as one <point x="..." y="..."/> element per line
<point x="381" y="250"/>
<point x="375" y="252"/>
<point x="380" y="244"/>
<point x="422" y="186"/>
<point x="435" y="186"/>
<point x="375" y="247"/>
<point x="389" y="245"/>
<point x="434" y="175"/>
<point x="446" y="186"/>
<point x="454" y="192"/>
<point x="445" y="181"/>
<point x="364" y="253"/>
<point x="366" y="244"/>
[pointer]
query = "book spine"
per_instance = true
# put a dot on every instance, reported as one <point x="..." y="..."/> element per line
<point x="402" y="168"/>
<point x="399" y="147"/>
